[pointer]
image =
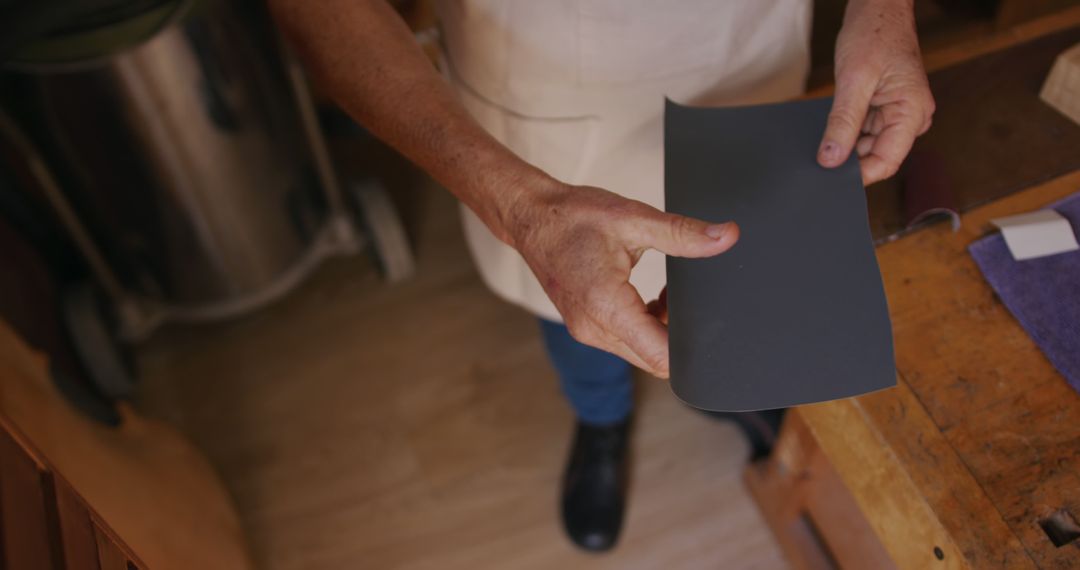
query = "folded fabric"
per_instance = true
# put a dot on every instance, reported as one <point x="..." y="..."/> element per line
<point x="1042" y="293"/>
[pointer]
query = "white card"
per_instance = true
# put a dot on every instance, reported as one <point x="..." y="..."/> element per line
<point x="1036" y="234"/>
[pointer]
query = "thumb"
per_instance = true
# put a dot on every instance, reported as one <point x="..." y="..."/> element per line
<point x="681" y="236"/>
<point x="850" y="105"/>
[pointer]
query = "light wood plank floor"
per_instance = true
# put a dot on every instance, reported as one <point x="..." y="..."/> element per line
<point x="419" y="426"/>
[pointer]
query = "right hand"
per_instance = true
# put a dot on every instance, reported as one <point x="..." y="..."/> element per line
<point x="581" y="243"/>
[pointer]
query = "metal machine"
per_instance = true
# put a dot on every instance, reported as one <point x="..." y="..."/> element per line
<point x="177" y="144"/>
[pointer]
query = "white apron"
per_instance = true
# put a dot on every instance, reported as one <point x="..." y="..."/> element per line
<point x="577" y="88"/>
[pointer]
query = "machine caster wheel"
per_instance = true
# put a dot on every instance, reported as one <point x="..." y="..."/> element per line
<point x="96" y="345"/>
<point x="380" y="221"/>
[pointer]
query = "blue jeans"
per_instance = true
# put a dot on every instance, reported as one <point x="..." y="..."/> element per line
<point x="598" y="384"/>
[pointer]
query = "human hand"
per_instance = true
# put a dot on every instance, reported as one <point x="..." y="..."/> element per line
<point x="581" y="243"/>
<point x="882" y="101"/>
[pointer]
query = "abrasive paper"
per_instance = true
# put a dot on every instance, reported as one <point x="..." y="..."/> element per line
<point x="795" y="312"/>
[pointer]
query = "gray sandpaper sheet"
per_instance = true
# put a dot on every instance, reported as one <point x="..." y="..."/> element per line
<point x="795" y="312"/>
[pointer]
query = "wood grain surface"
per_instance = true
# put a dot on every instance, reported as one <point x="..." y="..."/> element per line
<point x="76" y="529"/>
<point x="981" y="439"/>
<point x="808" y="507"/>
<point x="29" y="541"/>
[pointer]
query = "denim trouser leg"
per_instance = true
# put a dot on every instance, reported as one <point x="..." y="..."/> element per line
<point x="599" y="385"/>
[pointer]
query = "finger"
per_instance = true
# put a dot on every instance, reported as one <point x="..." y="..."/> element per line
<point x="599" y="336"/>
<point x="646" y="338"/>
<point x="620" y="349"/>
<point x="926" y="124"/>
<point x="850" y="106"/>
<point x="928" y="108"/>
<point x="875" y="122"/>
<point x="596" y="337"/>
<point x="888" y="151"/>
<point x="628" y="354"/>
<point x="682" y="236"/>
<point x="638" y="336"/>
<point x="868" y="123"/>
<point x="601" y="322"/>
<point x="865" y="144"/>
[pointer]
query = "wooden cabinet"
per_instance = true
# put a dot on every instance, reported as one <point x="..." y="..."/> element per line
<point x="44" y="523"/>
<point x="814" y="517"/>
<point x="76" y="494"/>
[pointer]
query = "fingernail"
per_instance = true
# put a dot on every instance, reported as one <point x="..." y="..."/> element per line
<point x="830" y="152"/>
<point x="716" y="231"/>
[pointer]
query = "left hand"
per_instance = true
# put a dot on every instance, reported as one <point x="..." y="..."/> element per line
<point x="882" y="99"/>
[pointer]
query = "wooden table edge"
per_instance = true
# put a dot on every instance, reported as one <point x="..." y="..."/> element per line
<point x="869" y="441"/>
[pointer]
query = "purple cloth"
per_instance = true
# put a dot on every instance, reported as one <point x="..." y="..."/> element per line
<point x="1042" y="293"/>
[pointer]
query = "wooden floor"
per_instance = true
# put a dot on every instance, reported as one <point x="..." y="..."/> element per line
<point x="360" y="425"/>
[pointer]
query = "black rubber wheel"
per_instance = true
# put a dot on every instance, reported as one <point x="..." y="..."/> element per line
<point x="98" y="348"/>
<point x="85" y="399"/>
<point x="382" y="224"/>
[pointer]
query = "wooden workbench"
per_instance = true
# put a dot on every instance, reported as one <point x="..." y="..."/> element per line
<point x="973" y="460"/>
<point x="968" y="458"/>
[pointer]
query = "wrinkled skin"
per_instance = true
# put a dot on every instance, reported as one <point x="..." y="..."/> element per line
<point x="582" y="242"/>
<point x="882" y="100"/>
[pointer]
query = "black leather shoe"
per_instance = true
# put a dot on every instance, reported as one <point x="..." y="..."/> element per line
<point x="594" y="487"/>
